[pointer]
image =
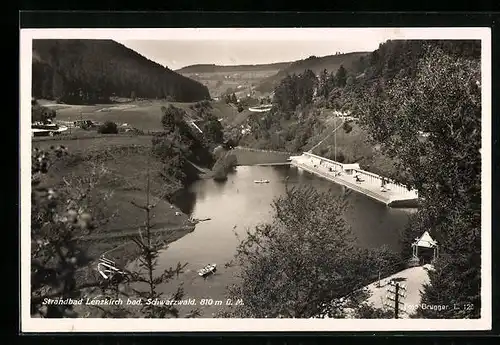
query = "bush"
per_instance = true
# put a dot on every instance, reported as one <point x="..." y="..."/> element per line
<point x="340" y="157"/>
<point x="108" y="127"/>
<point x="223" y="166"/>
<point x="347" y="127"/>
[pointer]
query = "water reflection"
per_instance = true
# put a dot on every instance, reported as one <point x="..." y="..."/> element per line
<point x="186" y="199"/>
<point x="239" y="203"/>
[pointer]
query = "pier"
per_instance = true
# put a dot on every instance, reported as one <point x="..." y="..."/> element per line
<point x="392" y="194"/>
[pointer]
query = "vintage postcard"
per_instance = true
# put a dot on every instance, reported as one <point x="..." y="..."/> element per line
<point x="291" y="179"/>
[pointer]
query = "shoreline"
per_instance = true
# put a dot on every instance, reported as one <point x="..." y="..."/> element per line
<point x="120" y="248"/>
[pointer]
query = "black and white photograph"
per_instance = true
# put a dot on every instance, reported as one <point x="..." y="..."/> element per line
<point x="260" y="179"/>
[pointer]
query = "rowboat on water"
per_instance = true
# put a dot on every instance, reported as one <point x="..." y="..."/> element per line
<point x="207" y="270"/>
<point x="109" y="271"/>
<point x="261" y="181"/>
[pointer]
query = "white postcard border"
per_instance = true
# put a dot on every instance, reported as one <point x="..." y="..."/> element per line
<point x="29" y="324"/>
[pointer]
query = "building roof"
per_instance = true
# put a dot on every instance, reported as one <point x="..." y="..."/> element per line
<point x="425" y="241"/>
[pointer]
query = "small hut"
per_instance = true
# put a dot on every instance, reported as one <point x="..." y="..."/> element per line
<point x="429" y="249"/>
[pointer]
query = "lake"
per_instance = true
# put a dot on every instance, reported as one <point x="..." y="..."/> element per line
<point x="238" y="204"/>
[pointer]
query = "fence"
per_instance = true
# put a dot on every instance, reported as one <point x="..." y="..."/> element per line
<point x="389" y="184"/>
<point x="369" y="177"/>
<point x="330" y="163"/>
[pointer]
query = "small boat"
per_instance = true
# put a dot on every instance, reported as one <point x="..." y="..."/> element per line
<point x="208" y="269"/>
<point x="196" y="220"/>
<point x="109" y="271"/>
<point x="261" y="181"/>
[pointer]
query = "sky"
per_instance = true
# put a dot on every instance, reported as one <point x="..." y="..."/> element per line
<point x="177" y="54"/>
<point x="179" y="47"/>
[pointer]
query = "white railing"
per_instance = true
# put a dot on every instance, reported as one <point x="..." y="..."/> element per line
<point x="319" y="162"/>
<point x="330" y="163"/>
<point x="390" y="185"/>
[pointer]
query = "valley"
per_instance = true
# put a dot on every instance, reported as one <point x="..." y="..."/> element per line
<point x="194" y="166"/>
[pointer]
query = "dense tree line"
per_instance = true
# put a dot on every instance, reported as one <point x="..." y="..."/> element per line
<point x="316" y="64"/>
<point x="213" y="131"/>
<point x="180" y="143"/>
<point x="294" y="119"/>
<point x="41" y="113"/>
<point x="401" y="57"/>
<point x="86" y="71"/>
<point x="305" y="262"/>
<point x="440" y="96"/>
<point x="295" y="90"/>
<point x="401" y="90"/>
<point x="231" y="98"/>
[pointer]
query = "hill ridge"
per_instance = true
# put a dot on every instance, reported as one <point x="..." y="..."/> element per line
<point x="204" y="68"/>
<point x="78" y="70"/>
<point x="314" y="63"/>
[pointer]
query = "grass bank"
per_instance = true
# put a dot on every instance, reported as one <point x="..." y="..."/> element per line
<point x="117" y="167"/>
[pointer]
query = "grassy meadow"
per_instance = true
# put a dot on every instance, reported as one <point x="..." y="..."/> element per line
<point x="239" y="82"/>
<point x="117" y="166"/>
<point x="143" y="115"/>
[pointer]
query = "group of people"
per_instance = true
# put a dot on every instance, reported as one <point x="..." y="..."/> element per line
<point x="358" y="179"/>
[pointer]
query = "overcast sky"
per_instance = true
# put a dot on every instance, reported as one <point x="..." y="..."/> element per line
<point x="180" y="47"/>
<point x="176" y="54"/>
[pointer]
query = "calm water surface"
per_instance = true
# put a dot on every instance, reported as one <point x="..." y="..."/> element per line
<point x="238" y="204"/>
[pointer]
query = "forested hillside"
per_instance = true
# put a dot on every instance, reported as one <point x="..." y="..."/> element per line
<point x="399" y="92"/>
<point x="401" y="57"/>
<point x="87" y="71"/>
<point x="303" y="103"/>
<point x="316" y="64"/>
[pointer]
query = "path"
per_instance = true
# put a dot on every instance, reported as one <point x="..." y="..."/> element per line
<point x="412" y="278"/>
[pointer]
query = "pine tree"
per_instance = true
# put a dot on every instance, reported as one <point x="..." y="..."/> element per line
<point x="341" y="76"/>
<point x="444" y="100"/>
<point x="149" y="246"/>
<point x="323" y="87"/>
